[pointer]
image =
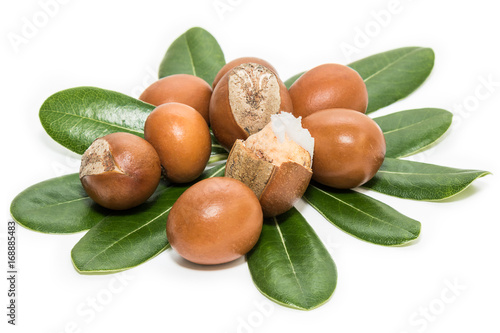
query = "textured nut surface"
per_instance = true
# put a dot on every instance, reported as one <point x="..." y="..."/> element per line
<point x="181" y="88"/>
<point x="181" y="137"/>
<point x="328" y="86"/>
<point x="120" y="171"/>
<point x="244" y="100"/>
<point x="215" y="221"/>
<point x="349" y="147"/>
<point x="236" y="62"/>
<point x="254" y="95"/>
<point x="278" y="173"/>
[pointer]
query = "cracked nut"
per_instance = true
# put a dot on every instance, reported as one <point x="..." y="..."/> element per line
<point x="236" y="62"/>
<point x="120" y="171"/>
<point x="244" y="100"/>
<point x="275" y="163"/>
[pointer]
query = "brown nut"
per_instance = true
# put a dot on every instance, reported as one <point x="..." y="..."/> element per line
<point x="120" y="171"/>
<point x="244" y="100"/>
<point x="278" y="172"/>
<point x="236" y="62"/>
<point x="215" y="221"/>
<point x="181" y="88"/>
<point x="349" y="147"/>
<point x="328" y="86"/>
<point x="181" y="137"/>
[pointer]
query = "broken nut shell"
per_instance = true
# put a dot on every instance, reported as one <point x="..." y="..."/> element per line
<point x="277" y="187"/>
<point x="120" y="171"/>
<point x="244" y="100"/>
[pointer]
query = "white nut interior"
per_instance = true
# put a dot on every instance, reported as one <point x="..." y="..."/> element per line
<point x="283" y="140"/>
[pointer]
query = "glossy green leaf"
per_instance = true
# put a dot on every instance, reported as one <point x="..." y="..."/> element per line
<point x="362" y="216"/>
<point x="290" y="81"/>
<point x="393" y="75"/>
<point x="195" y="52"/>
<point x="76" y="117"/>
<point x="290" y="265"/>
<point x="408" y="132"/>
<point x="421" y="181"/>
<point x="127" y="239"/>
<point x="58" y="206"/>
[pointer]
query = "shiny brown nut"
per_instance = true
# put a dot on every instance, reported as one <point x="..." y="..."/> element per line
<point x="120" y="171"/>
<point x="328" y="86"/>
<point x="181" y="88"/>
<point x="349" y="147"/>
<point x="236" y="62"/>
<point x="181" y="137"/>
<point x="244" y="100"/>
<point x="277" y="172"/>
<point x="215" y="221"/>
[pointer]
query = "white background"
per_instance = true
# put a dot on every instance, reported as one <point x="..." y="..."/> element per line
<point x="118" y="45"/>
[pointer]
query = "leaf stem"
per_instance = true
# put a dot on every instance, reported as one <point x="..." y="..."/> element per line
<point x="217" y="158"/>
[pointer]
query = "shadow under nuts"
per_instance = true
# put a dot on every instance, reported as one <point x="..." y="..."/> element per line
<point x="215" y="221"/>
<point x="275" y="163"/>
<point x="181" y="88"/>
<point x="120" y="171"/>
<point x="328" y="86"/>
<point x="244" y="100"/>
<point x="182" y="139"/>
<point x="349" y="147"/>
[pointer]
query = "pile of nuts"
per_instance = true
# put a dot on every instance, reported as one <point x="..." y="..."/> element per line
<point x="278" y="140"/>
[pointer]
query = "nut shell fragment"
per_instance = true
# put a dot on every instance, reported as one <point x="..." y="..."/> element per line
<point x="277" y="187"/>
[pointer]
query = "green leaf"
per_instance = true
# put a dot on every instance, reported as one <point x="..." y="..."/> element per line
<point x="218" y="152"/>
<point x="290" y="81"/>
<point x="421" y="181"/>
<point x="128" y="238"/>
<point x="195" y="52"/>
<point x="362" y="216"/>
<point x="411" y="131"/>
<point x="393" y="75"/>
<point x="290" y="265"/>
<point x="57" y="206"/>
<point x="76" y="117"/>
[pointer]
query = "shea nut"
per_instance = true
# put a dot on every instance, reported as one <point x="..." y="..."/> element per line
<point x="120" y="171"/>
